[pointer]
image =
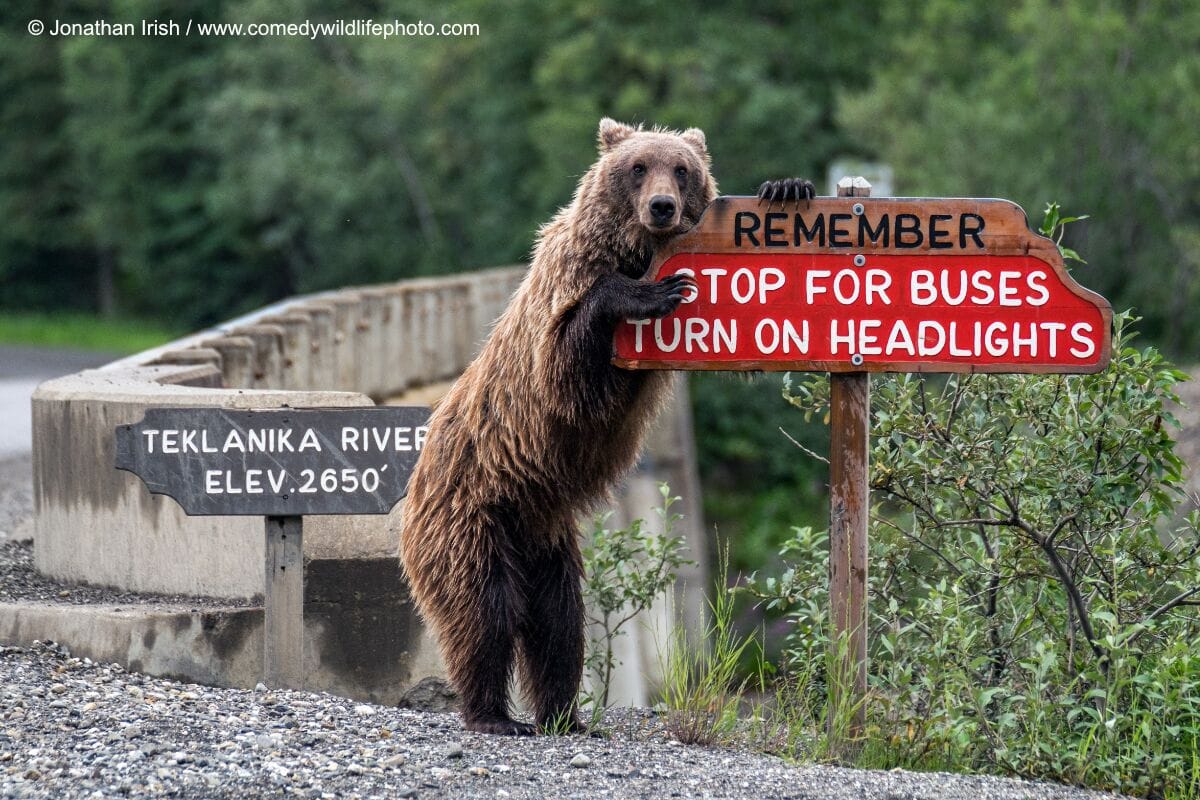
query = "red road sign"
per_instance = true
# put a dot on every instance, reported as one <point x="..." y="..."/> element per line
<point x="870" y="284"/>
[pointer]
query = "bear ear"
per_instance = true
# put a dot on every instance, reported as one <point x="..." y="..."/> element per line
<point x="612" y="133"/>
<point x="695" y="137"/>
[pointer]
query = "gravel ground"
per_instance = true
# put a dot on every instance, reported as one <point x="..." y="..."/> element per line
<point x="20" y="582"/>
<point x="70" y="728"/>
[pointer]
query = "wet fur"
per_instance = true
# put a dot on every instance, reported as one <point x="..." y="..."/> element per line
<point x="537" y="429"/>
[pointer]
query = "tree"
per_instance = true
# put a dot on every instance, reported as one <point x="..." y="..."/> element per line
<point x="1092" y="103"/>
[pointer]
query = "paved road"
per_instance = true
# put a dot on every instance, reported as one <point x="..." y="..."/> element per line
<point x="21" y="370"/>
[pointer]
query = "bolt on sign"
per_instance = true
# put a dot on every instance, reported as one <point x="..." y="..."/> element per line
<point x="861" y="284"/>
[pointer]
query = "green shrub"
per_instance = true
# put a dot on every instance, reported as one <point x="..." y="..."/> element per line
<point x="625" y="571"/>
<point x="1032" y="609"/>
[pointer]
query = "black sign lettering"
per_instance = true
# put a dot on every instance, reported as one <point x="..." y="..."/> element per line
<point x="909" y="224"/>
<point x="817" y="230"/>
<point x="865" y="231"/>
<point x="776" y="236"/>
<point x="839" y="236"/>
<point x="747" y="223"/>
<point x="905" y="231"/>
<point x="939" y="238"/>
<point x="973" y="230"/>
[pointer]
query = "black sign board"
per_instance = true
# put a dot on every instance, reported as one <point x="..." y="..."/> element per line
<point x="217" y="461"/>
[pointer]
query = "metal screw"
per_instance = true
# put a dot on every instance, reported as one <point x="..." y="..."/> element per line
<point x="859" y="260"/>
<point x="857" y="359"/>
<point x="857" y="208"/>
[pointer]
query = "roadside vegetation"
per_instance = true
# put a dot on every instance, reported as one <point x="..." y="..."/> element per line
<point x="1034" y="594"/>
<point x="1033" y="610"/>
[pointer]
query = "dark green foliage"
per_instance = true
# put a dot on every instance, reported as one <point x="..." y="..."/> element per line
<point x="756" y="482"/>
<point x="1088" y="102"/>
<point x="194" y="178"/>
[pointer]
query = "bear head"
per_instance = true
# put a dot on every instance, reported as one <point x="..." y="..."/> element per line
<point x="658" y="180"/>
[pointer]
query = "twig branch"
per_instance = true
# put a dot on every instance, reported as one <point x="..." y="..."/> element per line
<point x="1064" y="577"/>
<point x="802" y="447"/>
<point x="1179" y="600"/>
<point x="917" y="540"/>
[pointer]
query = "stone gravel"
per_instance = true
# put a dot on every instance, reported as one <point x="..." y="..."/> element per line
<point x="19" y="581"/>
<point x="70" y="728"/>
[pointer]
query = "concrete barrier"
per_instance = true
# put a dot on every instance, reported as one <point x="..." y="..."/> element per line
<point x="96" y="525"/>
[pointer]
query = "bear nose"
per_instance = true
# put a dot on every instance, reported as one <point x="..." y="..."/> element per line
<point x="662" y="208"/>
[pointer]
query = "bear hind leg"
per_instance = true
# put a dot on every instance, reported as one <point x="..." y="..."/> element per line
<point x="552" y="637"/>
<point x="480" y="661"/>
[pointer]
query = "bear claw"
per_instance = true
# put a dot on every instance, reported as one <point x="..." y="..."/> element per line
<point x="786" y="189"/>
<point x="678" y="281"/>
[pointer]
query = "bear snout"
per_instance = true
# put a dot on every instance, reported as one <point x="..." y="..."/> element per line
<point x="662" y="211"/>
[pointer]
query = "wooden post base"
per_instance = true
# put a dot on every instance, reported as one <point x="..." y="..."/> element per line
<point x="283" y="603"/>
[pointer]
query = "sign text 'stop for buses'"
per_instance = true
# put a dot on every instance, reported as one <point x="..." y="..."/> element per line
<point x="870" y="284"/>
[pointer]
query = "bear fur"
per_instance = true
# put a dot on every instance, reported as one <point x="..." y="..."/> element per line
<point x="540" y="426"/>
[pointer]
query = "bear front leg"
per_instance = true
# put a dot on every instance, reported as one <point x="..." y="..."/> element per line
<point x="583" y="341"/>
<point x="552" y="636"/>
<point x="786" y="189"/>
<point x="617" y="297"/>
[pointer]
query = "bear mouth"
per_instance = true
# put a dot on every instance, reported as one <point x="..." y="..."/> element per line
<point x="667" y="229"/>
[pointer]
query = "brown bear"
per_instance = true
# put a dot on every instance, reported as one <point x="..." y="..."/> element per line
<point x="540" y="426"/>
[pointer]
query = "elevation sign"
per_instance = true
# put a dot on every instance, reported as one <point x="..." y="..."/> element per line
<point x="216" y="461"/>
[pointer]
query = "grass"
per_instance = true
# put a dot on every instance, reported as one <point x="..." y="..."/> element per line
<point x="81" y="331"/>
<point x="701" y="689"/>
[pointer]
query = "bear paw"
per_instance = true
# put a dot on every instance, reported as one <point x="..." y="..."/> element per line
<point x="662" y="297"/>
<point x="786" y="189"/>
<point x="500" y="726"/>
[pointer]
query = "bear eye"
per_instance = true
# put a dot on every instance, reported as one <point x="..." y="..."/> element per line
<point x="639" y="170"/>
<point x="681" y="172"/>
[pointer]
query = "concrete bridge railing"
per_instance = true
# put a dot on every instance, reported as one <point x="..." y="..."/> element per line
<point x="393" y="343"/>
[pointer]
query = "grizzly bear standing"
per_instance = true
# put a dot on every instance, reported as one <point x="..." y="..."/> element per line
<point x="539" y="427"/>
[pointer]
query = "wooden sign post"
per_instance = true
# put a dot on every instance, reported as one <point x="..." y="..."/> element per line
<point x="283" y="602"/>
<point x="852" y="285"/>
<point x="282" y="465"/>
<point x="849" y="507"/>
